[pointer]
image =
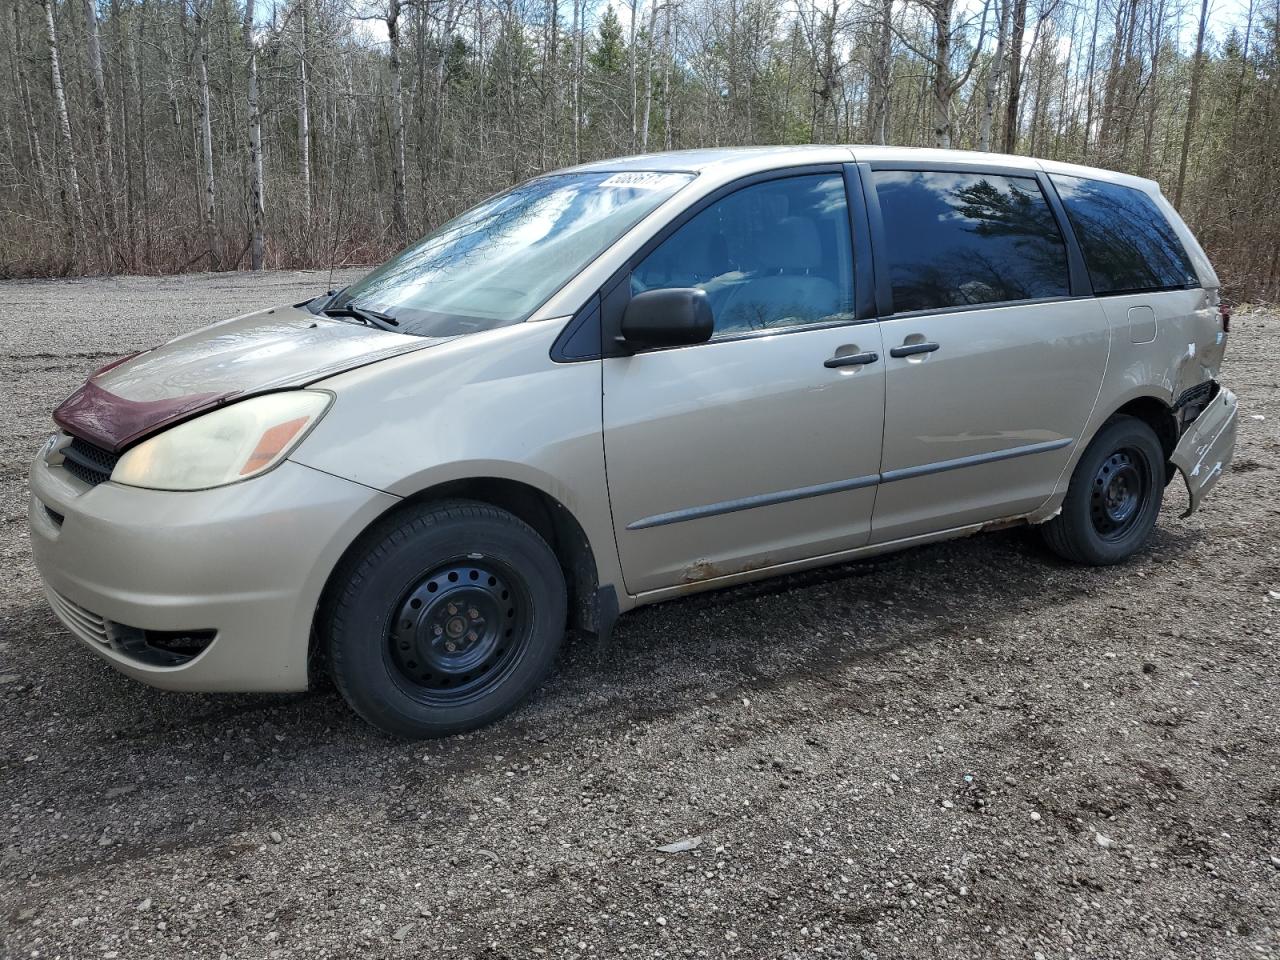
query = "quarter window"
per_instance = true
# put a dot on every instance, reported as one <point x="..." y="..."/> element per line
<point x="1128" y="244"/>
<point x="774" y="254"/>
<point x="956" y="239"/>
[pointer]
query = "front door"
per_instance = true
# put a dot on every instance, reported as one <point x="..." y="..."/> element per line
<point x="761" y="446"/>
<point x="992" y="367"/>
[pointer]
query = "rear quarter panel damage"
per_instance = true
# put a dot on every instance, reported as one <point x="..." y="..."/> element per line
<point x="1187" y="350"/>
<point x="1204" y="452"/>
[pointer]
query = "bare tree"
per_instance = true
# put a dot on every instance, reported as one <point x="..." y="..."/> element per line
<point x="257" y="203"/>
<point x="1193" y="103"/>
<point x="71" y="176"/>
<point x="399" y="211"/>
<point x="631" y="63"/>
<point x="993" y="76"/>
<point x="210" y="209"/>
<point x="104" y="167"/>
<point x="22" y="90"/>
<point x="304" y="109"/>
<point x="652" y="39"/>
<point x="1015" y="75"/>
<point x="881" y="75"/>
<point x="217" y="106"/>
<point x="945" y="83"/>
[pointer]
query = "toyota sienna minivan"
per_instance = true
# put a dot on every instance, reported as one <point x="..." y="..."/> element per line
<point x="626" y="382"/>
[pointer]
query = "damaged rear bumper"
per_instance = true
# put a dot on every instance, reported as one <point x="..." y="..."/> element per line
<point x="1204" y="452"/>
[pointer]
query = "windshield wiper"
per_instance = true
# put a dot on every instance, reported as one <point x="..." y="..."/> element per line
<point x="372" y="318"/>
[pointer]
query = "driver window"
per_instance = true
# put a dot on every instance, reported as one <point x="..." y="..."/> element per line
<point x="774" y="254"/>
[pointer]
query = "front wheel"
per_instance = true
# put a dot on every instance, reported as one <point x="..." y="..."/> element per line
<point x="1114" y="496"/>
<point x="446" y="617"/>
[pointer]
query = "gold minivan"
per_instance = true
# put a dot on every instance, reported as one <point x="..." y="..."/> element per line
<point x="625" y="382"/>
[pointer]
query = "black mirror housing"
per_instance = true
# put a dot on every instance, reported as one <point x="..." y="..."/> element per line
<point x="676" y="316"/>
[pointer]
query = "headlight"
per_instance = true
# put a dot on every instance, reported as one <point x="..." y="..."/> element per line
<point x="234" y="443"/>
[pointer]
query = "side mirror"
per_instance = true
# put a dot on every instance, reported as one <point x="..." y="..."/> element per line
<point x="668" y="318"/>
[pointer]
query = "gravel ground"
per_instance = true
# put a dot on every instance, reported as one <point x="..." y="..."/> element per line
<point x="964" y="750"/>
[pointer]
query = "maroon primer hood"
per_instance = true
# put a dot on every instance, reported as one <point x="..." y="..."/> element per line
<point x="138" y="395"/>
<point x="112" y="422"/>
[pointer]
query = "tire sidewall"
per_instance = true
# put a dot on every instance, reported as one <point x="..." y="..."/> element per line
<point x="1119" y="433"/>
<point x="360" y="622"/>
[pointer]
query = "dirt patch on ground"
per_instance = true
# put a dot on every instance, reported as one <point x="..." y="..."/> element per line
<point x="968" y="750"/>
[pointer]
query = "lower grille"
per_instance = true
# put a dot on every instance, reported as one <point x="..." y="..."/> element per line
<point x="88" y="463"/>
<point x="157" y="648"/>
<point x="85" y="624"/>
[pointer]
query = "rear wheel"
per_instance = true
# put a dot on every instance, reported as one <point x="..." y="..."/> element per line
<point x="1114" y="496"/>
<point x="447" y="617"/>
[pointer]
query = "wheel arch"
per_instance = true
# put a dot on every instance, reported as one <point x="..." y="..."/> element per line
<point x="591" y="610"/>
<point x="1156" y="413"/>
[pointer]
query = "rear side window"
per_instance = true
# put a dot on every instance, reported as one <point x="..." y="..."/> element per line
<point x="1128" y="244"/>
<point x="774" y="254"/>
<point x="956" y="239"/>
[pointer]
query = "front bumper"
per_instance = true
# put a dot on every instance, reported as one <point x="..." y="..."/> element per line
<point x="247" y="562"/>
<point x="1204" y="452"/>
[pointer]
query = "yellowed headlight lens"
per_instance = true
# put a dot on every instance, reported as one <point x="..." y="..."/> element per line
<point x="234" y="443"/>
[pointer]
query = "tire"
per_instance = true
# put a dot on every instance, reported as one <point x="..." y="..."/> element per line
<point x="1113" y="498"/>
<point x="443" y="618"/>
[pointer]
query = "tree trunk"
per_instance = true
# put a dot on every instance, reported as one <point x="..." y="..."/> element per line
<point x="257" y="204"/>
<point x="882" y="75"/>
<point x="1089" y="85"/>
<point x="209" y="205"/>
<point x="993" y="78"/>
<point x="551" y="84"/>
<point x="22" y="90"/>
<point x="102" y="124"/>
<point x="1193" y="105"/>
<point x="144" y="145"/>
<point x="64" y="127"/>
<point x="1015" y="75"/>
<point x="942" y="85"/>
<point x="631" y="60"/>
<point x="399" y="207"/>
<point x="126" y="52"/>
<point x="1153" y="87"/>
<point x="1115" y="66"/>
<point x="668" y="57"/>
<point x="304" y="114"/>
<point x="648" y="74"/>
<point x="576" y="80"/>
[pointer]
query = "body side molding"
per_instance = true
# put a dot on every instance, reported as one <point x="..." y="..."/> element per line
<point x="839" y="486"/>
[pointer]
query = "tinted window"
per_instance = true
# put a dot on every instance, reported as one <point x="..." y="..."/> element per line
<point x="1128" y="244"/>
<point x="775" y="254"/>
<point x="963" y="238"/>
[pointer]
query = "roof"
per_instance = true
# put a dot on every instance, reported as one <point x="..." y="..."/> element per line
<point x="746" y="160"/>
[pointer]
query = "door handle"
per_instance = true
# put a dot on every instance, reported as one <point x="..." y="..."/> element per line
<point x="852" y="359"/>
<point x="911" y="349"/>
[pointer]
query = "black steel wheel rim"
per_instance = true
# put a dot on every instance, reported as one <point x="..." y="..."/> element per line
<point x="1121" y="487"/>
<point x="459" y="631"/>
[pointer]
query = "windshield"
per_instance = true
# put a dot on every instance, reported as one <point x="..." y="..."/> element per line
<point x="498" y="262"/>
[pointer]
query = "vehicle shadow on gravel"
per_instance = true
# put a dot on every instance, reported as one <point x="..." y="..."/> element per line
<point x="771" y="632"/>
<point x="286" y="758"/>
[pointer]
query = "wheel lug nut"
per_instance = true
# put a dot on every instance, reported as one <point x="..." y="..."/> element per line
<point x="453" y="608"/>
<point x="439" y="630"/>
<point x="473" y="613"/>
<point x="450" y="646"/>
<point x="471" y="636"/>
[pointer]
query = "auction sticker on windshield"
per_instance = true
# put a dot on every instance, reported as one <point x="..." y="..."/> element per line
<point x="643" y="180"/>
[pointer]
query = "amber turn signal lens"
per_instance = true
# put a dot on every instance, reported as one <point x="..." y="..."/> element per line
<point x="272" y="442"/>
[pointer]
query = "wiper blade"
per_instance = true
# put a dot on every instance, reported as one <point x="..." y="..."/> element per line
<point x="372" y="318"/>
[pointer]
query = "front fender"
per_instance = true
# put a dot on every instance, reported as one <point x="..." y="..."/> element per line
<point x="1204" y="452"/>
